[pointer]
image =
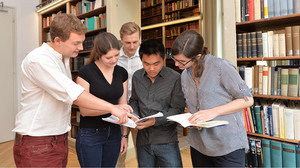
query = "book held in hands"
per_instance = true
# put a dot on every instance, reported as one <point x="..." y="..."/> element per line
<point x="131" y="123"/>
<point x="183" y="120"/>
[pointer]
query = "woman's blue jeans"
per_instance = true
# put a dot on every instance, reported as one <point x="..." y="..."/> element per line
<point x="98" y="147"/>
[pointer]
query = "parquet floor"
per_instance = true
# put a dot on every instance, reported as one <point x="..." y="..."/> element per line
<point x="6" y="157"/>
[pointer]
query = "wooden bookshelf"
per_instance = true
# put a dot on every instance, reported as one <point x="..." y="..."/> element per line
<point x="272" y="23"/>
<point x="268" y="58"/>
<point x="269" y="24"/>
<point x="273" y="138"/>
<point x="276" y="97"/>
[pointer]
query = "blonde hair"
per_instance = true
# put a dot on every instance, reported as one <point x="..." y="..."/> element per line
<point x="129" y="28"/>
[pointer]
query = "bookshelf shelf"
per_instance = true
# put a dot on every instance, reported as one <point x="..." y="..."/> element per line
<point x="276" y="97"/>
<point x="92" y="13"/>
<point x="173" y="22"/>
<point x="151" y="16"/>
<point x="269" y="23"/>
<point x="269" y="58"/>
<point x="273" y="138"/>
<point x="85" y="52"/>
<point x="96" y="31"/>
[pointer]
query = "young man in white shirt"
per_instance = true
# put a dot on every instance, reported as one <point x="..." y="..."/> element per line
<point x="130" y="34"/>
<point x="47" y="95"/>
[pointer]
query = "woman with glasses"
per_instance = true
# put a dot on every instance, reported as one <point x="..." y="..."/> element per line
<point x="213" y="90"/>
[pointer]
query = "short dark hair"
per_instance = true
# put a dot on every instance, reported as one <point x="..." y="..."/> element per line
<point x="152" y="46"/>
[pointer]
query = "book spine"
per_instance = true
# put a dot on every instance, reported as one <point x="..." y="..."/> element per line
<point x="266" y="9"/>
<point x="284" y="81"/>
<point x="265" y="80"/>
<point x="295" y="40"/>
<point x="266" y="120"/>
<point x="289" y="123"/>
<point x="276" y="8"/>
<point x="282" y="44"/>
<point x="271" y="8"/>
<point x="290" y="7"/>
<point x="239" y="45"/>
<point x="266" y="149"/>
<point x="258" y="119"/>
<point x="253" y="45"/>
<point x="259" y="44"/>
<point x="270" y="117"/>
<point x="278" y="81"/>
<point x="283" y="7"/>
<point x="288" y="40"/>
<point x="244" y="45"/>
<point x="293" y="82"/>
<point x="276" y="154"/>
<point x="248" y="37"/>
<point x="288" y="155"/>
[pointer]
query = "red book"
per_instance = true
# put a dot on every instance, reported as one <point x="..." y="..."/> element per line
<point x="247" y="119"/>
<point x="251" y="9"/>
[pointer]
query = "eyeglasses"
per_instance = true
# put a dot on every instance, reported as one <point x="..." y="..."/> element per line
<point x="183" y="64"/>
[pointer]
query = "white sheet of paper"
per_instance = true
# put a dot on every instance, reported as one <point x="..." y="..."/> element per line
<point x="130" y="123"/>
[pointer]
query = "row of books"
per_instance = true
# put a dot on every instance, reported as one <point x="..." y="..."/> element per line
<point x="173" y="31"/>
<point x="86" y="6"/>
<point x="48" y="19"/>
<point x="181" y="14"/>
<point x="270" y="153"/>
<point x="78" y="62"/>
<point x="285" y="42"/>
<point x="95" y="22"/>
<point x="147" y="34"/>
<point x="278" y="81"/>
<point x="146" y="13"/>
<point x="274" y="120"/>
<point x="248" y="10"/>
<point x="180" y="4"/>
<point x="148" y="3"/>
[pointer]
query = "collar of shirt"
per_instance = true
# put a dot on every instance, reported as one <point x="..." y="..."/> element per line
<point x="52" y="51"/>
<point x="122" y="53"/>
<point x="162" y="73"/>
<point x="56" y="54"/>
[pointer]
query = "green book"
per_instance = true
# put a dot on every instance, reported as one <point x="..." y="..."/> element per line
<point x="276" y="154"/>
<point x="266" y="149"/>
<point x="288" y="155"/>
<point x="258" y="118"/>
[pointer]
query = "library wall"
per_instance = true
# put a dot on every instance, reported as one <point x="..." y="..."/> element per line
<point x="27" y="37"/>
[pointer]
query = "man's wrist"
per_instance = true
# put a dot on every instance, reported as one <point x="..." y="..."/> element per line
<point x="124" y="135"/>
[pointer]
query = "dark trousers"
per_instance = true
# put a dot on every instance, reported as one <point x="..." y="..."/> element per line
<point x="233" y="159"/>
<point x="43" y="151"/>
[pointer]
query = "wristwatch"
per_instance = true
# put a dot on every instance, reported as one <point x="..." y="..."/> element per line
<point x="125" y="136"/>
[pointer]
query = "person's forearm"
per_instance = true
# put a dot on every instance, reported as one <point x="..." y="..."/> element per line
<point x="88" y="112"/>
<point x="234" y="106"/>
<point x="89" y="101"/>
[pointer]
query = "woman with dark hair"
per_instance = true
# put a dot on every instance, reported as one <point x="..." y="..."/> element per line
<point x="98" y="143"/>
<point x="213" y="90"/>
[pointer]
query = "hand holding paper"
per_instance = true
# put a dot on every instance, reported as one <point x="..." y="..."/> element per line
<point x="183" y="120"/>
<point x="130" y="123"/>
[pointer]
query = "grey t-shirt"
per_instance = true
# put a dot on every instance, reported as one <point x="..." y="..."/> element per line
<point x="219" y="84"/>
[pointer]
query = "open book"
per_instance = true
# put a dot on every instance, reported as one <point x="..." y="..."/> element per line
<point x="183" y="120"/>
<point x="131" y="123"/>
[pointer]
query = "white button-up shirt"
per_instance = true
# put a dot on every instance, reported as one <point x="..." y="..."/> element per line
<point x="47" y="93"/>
<point x="131" y="64"/>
